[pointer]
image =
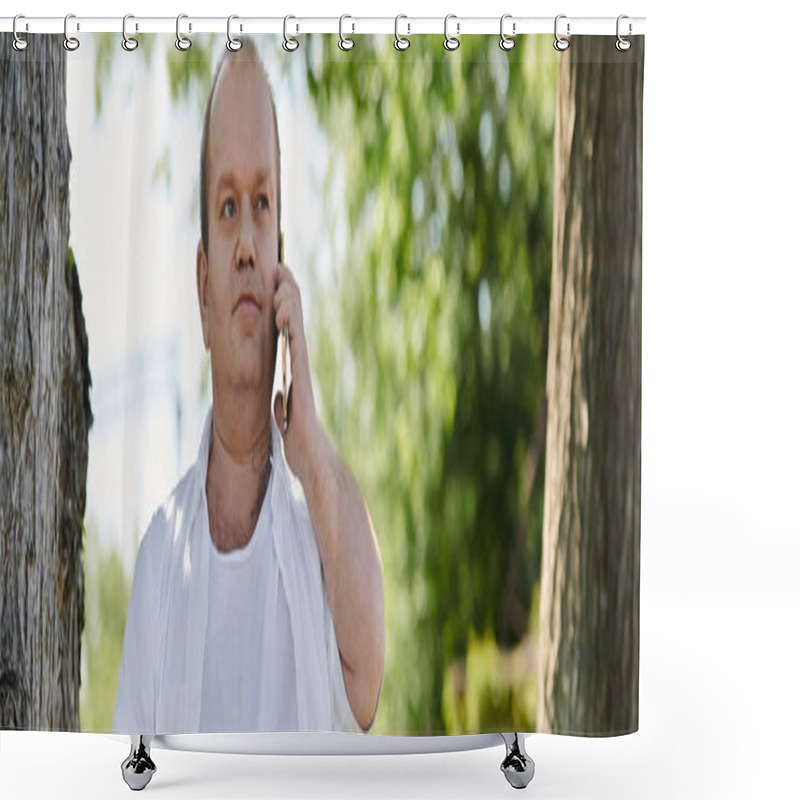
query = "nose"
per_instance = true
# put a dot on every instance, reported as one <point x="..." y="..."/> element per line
<point x="245" y="248"/>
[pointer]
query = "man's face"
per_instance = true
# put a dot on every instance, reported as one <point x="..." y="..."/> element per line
<point x="236" y="277"/>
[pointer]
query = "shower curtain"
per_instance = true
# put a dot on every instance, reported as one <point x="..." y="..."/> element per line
<point x="435" y="254"/>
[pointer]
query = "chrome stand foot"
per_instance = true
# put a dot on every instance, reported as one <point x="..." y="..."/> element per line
<point x="138" y="768"/>
<point x="517" y="766"/>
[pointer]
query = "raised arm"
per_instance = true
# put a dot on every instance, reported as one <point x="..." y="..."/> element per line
<point x="351" y="561"/>
<point x="353" y="572"/>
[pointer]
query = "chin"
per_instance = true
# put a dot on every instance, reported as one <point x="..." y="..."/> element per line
<point x="248" y="373"/>
<point x="249" y="365"/>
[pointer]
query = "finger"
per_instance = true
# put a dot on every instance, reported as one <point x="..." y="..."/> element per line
<point x="284" y="315"/>
<point x="282" y="297"/>
<point x="288" y="313"/>
<point x="284" y="275"/>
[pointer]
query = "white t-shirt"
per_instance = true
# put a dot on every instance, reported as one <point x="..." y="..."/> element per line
<point x="249" y="604"/>
<point x="168" y="677"/>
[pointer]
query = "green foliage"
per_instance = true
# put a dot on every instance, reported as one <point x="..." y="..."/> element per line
<point x="102" y="67"/>
<point x="106" y="53"/>
<point x="479" y="690"/>
<point x="190" y="71"/>
<point x="432" y="350"/>
<point x="107" y="589"/>
<point x="162" y="170"/>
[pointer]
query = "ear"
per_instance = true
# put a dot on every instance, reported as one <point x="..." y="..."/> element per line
<point x="202" y="289"/>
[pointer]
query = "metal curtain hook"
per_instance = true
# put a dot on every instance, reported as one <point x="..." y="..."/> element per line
<point x="451" y="42"/>
<point x="506" y="42"/>
<point x="290" y="43"/>
<point x="232" y="44"/>
<point x="129" y="43"/>
<point x="400" y="42"/>
<point x="181" y="42"/>
<point x="71" y="43"/>
<point x="19" y="42"/>
<point x="623" y="44"/>
<point x="560" y="43"/>
<point x="345" y="42"/>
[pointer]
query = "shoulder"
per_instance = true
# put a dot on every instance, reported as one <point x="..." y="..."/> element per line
<point x="288" y="497"/>
<point x="305" y="536"/>
<point x="170" y="520"/>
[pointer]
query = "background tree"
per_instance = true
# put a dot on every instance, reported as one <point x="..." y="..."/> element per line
<point x="431" y="354"/>
<point x="44" y="398"/>
<point x="589" y="623"/>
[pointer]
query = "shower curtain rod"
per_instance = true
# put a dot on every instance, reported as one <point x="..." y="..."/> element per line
<point x="407" y="26"/>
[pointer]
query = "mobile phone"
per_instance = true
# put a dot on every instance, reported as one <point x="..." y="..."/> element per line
<point x="284" y="346"/>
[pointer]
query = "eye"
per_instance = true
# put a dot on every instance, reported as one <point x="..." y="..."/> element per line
<point x="262" y="201"/>
<point x="228" y="208"/>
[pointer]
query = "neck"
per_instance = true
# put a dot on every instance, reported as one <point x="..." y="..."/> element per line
<point x="239" y="468"/>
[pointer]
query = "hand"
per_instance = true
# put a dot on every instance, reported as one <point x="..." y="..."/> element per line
<point x="300" y="437"/>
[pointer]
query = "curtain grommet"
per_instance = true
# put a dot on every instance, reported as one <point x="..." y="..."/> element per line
<point x="451" y="42"/>
<point x="506" y="42"/>
<point x="401" y="43"/>
<point x="129" y="43"/>
<point x="19" y="43"/>
<point x="182" y="43"/>
<point x="290" y="43"/>
<point x="345" y="42"/>
<point x="71" y="43"/>
<point x="622" y="44"/>
<point x="560" y="43"/>
<point x="234" y="45"/>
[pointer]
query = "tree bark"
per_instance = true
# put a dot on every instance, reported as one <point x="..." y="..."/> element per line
<point x="589" y="604"/>
<point x="44" y="399"/>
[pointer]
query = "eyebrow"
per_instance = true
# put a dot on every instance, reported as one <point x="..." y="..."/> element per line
<point x="227" y="179"/>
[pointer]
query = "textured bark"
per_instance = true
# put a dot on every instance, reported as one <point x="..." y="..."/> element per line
<point x="589" y="604"/>
<point x="44" y="399"/>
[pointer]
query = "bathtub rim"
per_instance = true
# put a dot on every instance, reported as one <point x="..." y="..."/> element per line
<point x="318" y="743"/>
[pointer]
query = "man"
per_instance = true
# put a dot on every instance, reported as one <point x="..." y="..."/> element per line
<point x="252" y="609"/>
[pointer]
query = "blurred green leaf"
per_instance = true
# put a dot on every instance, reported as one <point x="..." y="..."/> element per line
<point x="433" y="343"/>
<point x="107" y="590"/>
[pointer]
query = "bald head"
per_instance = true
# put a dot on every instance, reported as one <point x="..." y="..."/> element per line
<point x="237" y="257"/>
<point x="231" y="67"/>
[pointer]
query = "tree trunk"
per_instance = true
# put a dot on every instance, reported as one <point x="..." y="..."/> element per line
<point x="589" y="605"/>
<point x="44" y="398"/>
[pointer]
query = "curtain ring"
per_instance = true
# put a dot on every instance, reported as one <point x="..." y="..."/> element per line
<point x="19" y="42"/>
<point x="290" y="43"/>
<point x="623" y="44"/>
<point x="182" y="42"/>
<point x="232" y="44"/>
<point x="345" y="42"/>
<point x="71" y="43"/>
<point x="506" y="42"/>
<point x="560" y="43"/>
<point x="129" y="43"/>
<point x="400" y="42"/>
<point x="450" y="42"/>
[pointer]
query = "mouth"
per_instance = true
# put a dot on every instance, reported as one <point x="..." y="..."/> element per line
<point x="246" y="300"/>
